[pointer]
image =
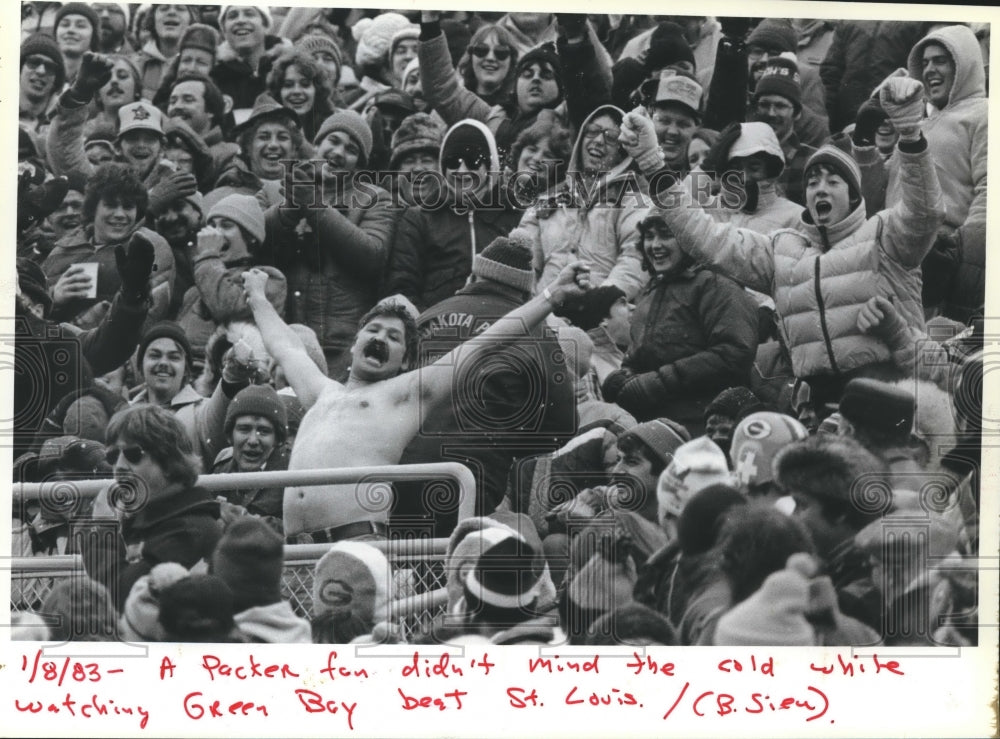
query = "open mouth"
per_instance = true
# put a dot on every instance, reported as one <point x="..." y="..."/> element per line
<point x="297" y="100"/>
<point x="377" y="351"/>
<point x="242" y="31"/>
<point x="68" y="221"/>
<point x="489" y="67"/>
<point x="597" y="152"/>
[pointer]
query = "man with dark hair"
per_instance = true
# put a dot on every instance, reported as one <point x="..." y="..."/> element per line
<point x="195" y="99"/>
<point x="43" y="74"/>
<point x="345" y="423"/>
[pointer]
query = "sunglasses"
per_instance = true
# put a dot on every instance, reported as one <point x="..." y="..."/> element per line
<point x="473" y="160"/>
<point x="40" y="62"/>
<point x="133" y="454"/>
<point x="502" y="53"/>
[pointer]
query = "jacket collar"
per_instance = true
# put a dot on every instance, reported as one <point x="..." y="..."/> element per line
<point x="174" y="504"/>
<point x="832" y="235"/>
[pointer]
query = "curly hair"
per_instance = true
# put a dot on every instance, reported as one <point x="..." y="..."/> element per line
<point x="503" y="38"/>
<point x="114" y="182"/>
<point x="246" y="136"/>
<point x="161" y="436"/>
<point x="308" y="68"/>
<point x="560" y="138"/>
<point x="392" y="309"/>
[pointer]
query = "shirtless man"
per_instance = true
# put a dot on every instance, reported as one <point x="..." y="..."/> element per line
<point x="370" y="419"/>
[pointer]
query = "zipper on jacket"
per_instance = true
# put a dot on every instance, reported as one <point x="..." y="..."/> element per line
<point x="822" y="320"/>
<point x="472" y="235"/>
<point x="825" y="237"/>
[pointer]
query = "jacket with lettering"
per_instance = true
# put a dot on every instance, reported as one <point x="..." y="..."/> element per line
<point x="820" y="277"/>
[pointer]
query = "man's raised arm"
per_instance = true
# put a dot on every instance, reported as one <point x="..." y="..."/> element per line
<point x="283" y="344"/>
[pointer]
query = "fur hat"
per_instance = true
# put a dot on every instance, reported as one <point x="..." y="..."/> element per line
<point x="161" y="330"/>
<point x="353" y="577"/>
<point x="781" y="77"/>
<point x="417" y="132"/>
<point x="243" y="210"/>
<point x="88" y="12"/>
<point x="695" y="465"/>
<point x="701" y="518"/>
<point x="829" y="467"/>
<point x="250" y="559"/>
<point x="354" y="125"/>
<point x="878" y="406"/>
<point x="200" y="36"/>
<point x="774" y="34"/>
<point x="258" y="400"/>
<point x="773" y="616"/>
<point x="374" y="37"/>
<point x="198" y="608"/>
<point x="505" y="261"/>
<point x="140" y="619"/>
<point x="44" y="45"/>
<point x="757" y="440"/>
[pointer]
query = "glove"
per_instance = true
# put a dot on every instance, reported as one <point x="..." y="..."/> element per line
<point x="717" y="158"/>
<point x="870" y="117"/>
<point x="939" y="268"/>
<point x="573" y="25"/>
<point x="642" y="393"/>
<point x="734" y="27"/>
<point x="170" y="189"/>
<point x="134" y="267"/>
<point x="880" y="318"/>
<point x="614" y="382"/>
<point x="902" y="99"/>
<point x="638" y="138"/>
<point x="239" y="368"/>
<point x="95" y="71"/>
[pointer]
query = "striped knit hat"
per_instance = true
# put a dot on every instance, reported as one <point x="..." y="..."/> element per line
<point x="505" y="261"/>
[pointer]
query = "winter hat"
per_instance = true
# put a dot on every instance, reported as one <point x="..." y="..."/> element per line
<point x="87" y="12"/>
<point x="374" y="37"/>
<point x="543" y="53"/>
<point x="842" y="163"/>
<point x="417" y="132"/>
<point x="470" y="538"/>
<point x="200" y="36"/>
<point x="87" y="418"/>
<point x="773" y="35"/>
<point x="411" y="31"/>
<point x="267" y="108"/>
<point x="773" y="616"/>
<point x="353" y="578"/>
<point x="354" y="125"/>
<point x="604" y="583"/>
<point x="243" y="210"/>
<point x="139" y="116"/>
<point x="258" y="400"/>
<point x="830" y="467"/>
<point x="198" y="608"/>
<point x="631" y="623"/>
<point x="695" y="465"/>
<point x="878" y="406"/>
<point x="757" y="137"/>
<point x="250" y="558"/>
<point x="524" y="527"/>
<point x="84" y="455"/>
<point x="264" y="11"/>
<point x="164" y="329"/>
<point x="505" y="575"/>
<point x="28" y="626"/>
<point x="592" y="307"/>
<point x="470" y="140"/>
<point x="701" y="518"/>
<point x="505" y="261"/>
<point x="667" y="46"/>
<point x="733" y="402"/>
<point x="44" y="45"/>
<point x="312" y="43"/>
<point x="781" y="77"/>
<point x="756" y="442"/>
<point x="140" y="617"/>
<point x="663" y="437"/>
<point x="99" y="133"/>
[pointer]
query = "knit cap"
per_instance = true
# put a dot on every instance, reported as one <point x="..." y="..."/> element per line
<point x="695" y="465"/>
<point x="505" y="261"/>
<point x="87" y="12"/>
<point x="243" y="210"/>
<point x="198" y="608"/>
<point x="543" y="53"/>
<point x="701" y="519"/>
<point x="781" y="77"/>
<point x="773" y="616"/>
<point x="354" y="125"/>
<point x="663" y="437"/>
<point x="470" y="538"/>
<point x="44" y="45"/>
<point x="164" y="329"/>
<point x="353" y="577"/>
<point x="250" y="558"/>
<point x="313" y="43"/>
<point x="877" y="405"/>
<point x="374" y="37"/>
<point x="412" y="31"/>
<point x="264" y="11"/>
<point x="200" y="36"/>
<point x="756" y="442"/>
<point x="840" y="162"/>
<point x="417" y="132"/>
<point x="667" y="45"/>
<point x="87" y="418"/>
<point x="258" y="400"/>
<point x="733" y="402"/>
<point x="140" y="619"/>
<point x="505" y="575"/>
<point x="773" y="35"/>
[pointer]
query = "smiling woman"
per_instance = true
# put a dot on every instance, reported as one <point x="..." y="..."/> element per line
<point x="302" y="85"/>
<point x="271" y="135"/>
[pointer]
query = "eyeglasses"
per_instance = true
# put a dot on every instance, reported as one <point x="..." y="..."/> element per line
<point x="610" y="135"/>
<point x="502" y="53"/>
<point x="755" y="53"/>
<point x="473" y="159"/>
<point x="40" y="62"/>
<point x="133" y="453"/>
<point x="777" y="107"/>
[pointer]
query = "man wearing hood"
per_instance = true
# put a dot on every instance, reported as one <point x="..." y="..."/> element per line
<point x="821" y="273"/>
<point x="437" y="241"/>
<point x="949" y="62"/>
<point x="594" y="215"/>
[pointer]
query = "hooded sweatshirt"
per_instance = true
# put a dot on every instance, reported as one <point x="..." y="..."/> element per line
<point x="596" y="221"/>
<point x="956" y="136"/>
<point x="275" y="623"/>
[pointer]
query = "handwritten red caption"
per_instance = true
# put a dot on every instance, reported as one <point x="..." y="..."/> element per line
<point x="72" y="673"/>
<point x="198" y="706"/>
<point x="810" y="702"/>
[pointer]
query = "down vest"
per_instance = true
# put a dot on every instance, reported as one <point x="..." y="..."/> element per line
<point x="820" y="278"/>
